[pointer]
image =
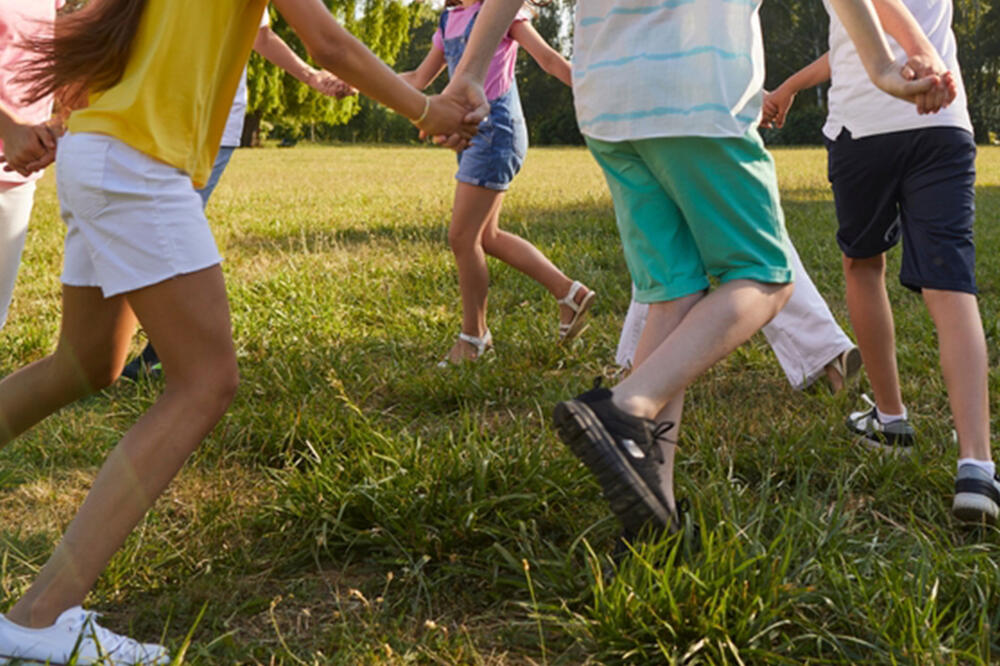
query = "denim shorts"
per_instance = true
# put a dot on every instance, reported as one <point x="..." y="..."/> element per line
<point x="496" y="153"/>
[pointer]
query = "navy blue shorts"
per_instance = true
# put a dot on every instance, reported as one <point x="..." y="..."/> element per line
<point x="918" y="185"/>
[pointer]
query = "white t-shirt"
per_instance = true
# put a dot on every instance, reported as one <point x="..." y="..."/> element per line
<point x="855" y="102"/>
<point x="232" y="136"/>
<point x="646" y="69"/>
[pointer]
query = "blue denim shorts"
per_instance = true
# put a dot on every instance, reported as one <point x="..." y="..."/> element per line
<point x="495" y="154"/>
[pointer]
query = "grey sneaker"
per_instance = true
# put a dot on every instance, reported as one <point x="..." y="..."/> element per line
<point x="977" y="496"/>
<point x="621" y="451"/>
<point x="894" y="438"/>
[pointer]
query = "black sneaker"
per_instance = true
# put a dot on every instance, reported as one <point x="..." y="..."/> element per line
<point x="977" y="496"/>
<point x="146" y="364"/>
<point x="620" y="450"/>
<point x="894" y="438"/>
<point x="679" y="521"/>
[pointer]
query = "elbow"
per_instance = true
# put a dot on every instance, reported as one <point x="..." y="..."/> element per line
<point x="327" y="51"/>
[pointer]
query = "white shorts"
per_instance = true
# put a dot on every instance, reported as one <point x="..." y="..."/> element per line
<point x="131" y="221"/>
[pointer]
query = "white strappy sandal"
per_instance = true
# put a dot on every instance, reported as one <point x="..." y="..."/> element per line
<point x="575" y="326"/>
<point x="482" y="345"/>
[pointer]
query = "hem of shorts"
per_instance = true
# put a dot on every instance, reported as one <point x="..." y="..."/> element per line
<point x="815" y="373"/>
<point x="662" y="293"/>
<point x="117" y="290"/>
<point x="758" y="274"/>
<point x="498" y="187"/>
<point x="964" y="287"/>
<point x="866" y="255"/>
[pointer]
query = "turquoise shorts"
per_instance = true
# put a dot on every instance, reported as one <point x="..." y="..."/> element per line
<point x="690" y="208"/>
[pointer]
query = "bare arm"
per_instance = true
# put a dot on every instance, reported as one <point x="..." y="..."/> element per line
<point x="547" y="57"/>
<point x="924" y="60"/>
<point x="466" y="85"/>
<point x="862" y="25"/>
<point x="335" y="49"/>
<point x="274" y="48"/>
<point x="777" y="102"/>
<point x="428" y="70"/>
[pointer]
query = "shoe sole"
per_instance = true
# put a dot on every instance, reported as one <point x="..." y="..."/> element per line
<point x="631" y="499"/>
<point x="894" y="450"/>
<point x="974" y="508"/>
<point x="577" y="326"/>
<point x="25" y="661"/>
<point x="852" y="364"/>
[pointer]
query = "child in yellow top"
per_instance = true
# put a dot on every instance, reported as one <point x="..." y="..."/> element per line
<point x="161" y="75"/>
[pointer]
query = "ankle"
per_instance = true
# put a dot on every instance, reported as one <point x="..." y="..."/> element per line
<point x="886" y="418"/>
<point x="32" y="616"/>
<point x="632" y="405"/>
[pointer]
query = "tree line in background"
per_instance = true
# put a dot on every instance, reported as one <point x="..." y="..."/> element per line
<point x="795" y="34"/>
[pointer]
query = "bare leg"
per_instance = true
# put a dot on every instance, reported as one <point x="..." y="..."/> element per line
<point x="965" y="366"/>
<point x="92" y="345"/>
<point x="663" y="318"/>
<point x="187" y="318"/>
<point x="519" y="254"/>
<point x="472" y="211"/>
<point x="871" y="318"/>
<point x="713" y="327"/>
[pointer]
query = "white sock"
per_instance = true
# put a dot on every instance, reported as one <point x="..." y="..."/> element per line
<point x="886" y="419"/>
<point x="987" y="466"/>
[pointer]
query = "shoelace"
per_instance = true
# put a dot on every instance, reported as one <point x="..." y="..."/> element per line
<point x="658" y="433"/>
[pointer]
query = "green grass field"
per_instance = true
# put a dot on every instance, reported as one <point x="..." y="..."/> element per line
<point x="359" y="505"/>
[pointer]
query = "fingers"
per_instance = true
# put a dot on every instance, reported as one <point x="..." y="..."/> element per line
<point x="477" y="115"/>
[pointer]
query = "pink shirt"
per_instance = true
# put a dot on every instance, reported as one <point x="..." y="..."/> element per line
<point x="501" y="72"/>
<point x="18" y="19"/>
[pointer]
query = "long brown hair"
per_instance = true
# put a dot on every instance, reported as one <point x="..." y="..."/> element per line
<point x="87" y="50"/>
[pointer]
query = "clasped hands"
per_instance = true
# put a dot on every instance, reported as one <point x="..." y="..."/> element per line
<point x="453" y="117"/>
<point x="28" y="148"/>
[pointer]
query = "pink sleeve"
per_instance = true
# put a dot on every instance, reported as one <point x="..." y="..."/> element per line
<point x="437" y="40"/>
<point x="522" y="15"/>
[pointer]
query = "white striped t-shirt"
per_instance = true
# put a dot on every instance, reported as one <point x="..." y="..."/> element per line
<point x="655" y="68"/>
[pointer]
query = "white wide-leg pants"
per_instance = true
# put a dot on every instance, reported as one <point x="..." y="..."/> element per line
<point x="804" y="335"/>
<point x="15" y="209"/>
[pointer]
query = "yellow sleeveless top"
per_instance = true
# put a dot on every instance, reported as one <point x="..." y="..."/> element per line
<point x="174" y="97"/>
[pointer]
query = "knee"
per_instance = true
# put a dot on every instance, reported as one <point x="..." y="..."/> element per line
<point x="461" y="239"/>
<point x="81" y="375"/>
<point x="781" y="296"/>
<point x="489" y="243"/>
<point x="866" y="267"/>
<point x="210" y="387"/>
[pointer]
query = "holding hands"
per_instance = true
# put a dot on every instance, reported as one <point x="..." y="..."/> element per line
<point x="27" y="148"/>
<point x="776" y="105"/>
<point x="452" y="118"/>
<point x="921" y="81"/>
<point x="328" y="84"/>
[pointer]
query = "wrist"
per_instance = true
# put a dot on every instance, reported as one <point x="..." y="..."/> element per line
<point x="7" y="125"/>
<point x="422" y="116"/>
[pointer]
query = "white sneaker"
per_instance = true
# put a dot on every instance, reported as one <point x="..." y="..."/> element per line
<point x="75" y="637"/>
